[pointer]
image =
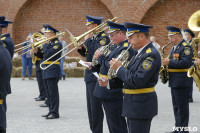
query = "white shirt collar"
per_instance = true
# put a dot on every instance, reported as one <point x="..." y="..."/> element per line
<point x="177" y="45"/>
<point x="4" y="34"/>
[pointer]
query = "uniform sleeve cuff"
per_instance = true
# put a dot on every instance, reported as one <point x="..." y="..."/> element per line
<point x="118" y="69"/>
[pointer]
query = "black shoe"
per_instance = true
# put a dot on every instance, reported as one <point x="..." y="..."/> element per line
<point x="44" y="105"/>
<point x="190" y="100"/>
<point x="40" y="99"/>
<point x="52" y="116"/>
<point x="36" y="98"/>
<point x="46" y="115"/>
<point x="63" y="77"/>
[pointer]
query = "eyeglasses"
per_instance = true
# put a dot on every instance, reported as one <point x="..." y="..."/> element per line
<point x="111" y="35"/>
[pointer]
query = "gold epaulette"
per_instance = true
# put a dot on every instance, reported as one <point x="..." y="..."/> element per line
<point x="148" y="50"/>
<point x="3" y="38"/>
<point x="103" y="34"/>
<point x="184" y="43"/>
<point x="125" y="44"/>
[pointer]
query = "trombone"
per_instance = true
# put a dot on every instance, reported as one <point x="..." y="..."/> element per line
<point x="42" y="41"/>
<point x="36" y="37"/>
<point x="21" y="43"/>
<point x="74" y="40"/>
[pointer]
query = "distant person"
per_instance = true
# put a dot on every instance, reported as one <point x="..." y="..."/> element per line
<point x="155" y="44"/>
<point x="190" y="35"/>
<point x="27" y="60"/>
<point x="64" y="44"/>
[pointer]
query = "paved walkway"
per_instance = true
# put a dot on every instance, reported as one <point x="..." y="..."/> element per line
<point x="24" y="114"/>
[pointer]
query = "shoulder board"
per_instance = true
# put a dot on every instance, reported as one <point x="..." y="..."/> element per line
<point x="103" y="34"/>
<point x="184" y="43"/>
<point x="3" y="38"/>
<point x="125" y="44"/>
<point x="148" y="50"/>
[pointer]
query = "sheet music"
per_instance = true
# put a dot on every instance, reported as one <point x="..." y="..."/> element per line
<point x="83" y="63"/>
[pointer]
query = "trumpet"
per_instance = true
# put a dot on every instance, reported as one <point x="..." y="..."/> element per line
<point x="124" y="56"/>
<point x="75" y="41"/>
<point x="105" y="50"/>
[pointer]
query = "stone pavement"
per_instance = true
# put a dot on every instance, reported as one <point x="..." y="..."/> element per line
<point x="24" y="113"/>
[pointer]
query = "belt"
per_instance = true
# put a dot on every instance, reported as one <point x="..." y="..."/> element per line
<point x="101" y="75"/>
<point x="138" y="91"/>
<point x="177" y="70"/>
<point x="1" y="101"/>
<point x="50" y="62"/>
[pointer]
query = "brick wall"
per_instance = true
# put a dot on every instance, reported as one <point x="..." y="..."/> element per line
<point x="29" y="15"/>
<point x="169" y="13"/>
<point x="59" y="14"/>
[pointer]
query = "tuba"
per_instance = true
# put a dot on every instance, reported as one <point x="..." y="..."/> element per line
<point x="194" y="24"/>
<point x="105" y="50"/>
<point x="123" y="57"/>
<point x="163" y="74"/>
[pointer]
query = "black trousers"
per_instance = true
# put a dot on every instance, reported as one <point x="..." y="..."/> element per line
<point x="95" y="110"/>
<point x="180" y="106"/>
<point x="2" y="131"/>
<point x="139" y="125"/>
<point x="191" y="89"/>
<point x="3" y="116"/>
<point x="42" y="90"/>
<point x="53" y="95"/>
<point x="113" y="110"/>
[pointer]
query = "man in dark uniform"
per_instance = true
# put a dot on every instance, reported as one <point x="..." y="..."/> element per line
<point x="8" y="44"/>
<point x="189" y="34"/>
<point x="180" y="59"/>
<point x="51" y="74"/>
<point x="139" y="78"/>
<point x="92" y="42"/>
<point x="112" y="96"/>
<point x="5" y="70"/>
<point x="5" y="37"/>
<point x="42" y="90"/>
